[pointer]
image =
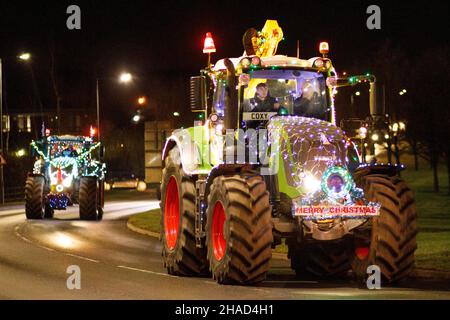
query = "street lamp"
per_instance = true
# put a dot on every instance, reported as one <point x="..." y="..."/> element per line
<point x="124" y="77"/>
<point x="25" y="56"/>
<point x="136" y="118"/>
<point x="375" y="137"/>
<point x="141" y="100"/>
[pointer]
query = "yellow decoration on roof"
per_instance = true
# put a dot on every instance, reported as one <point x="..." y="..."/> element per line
<point x="270" y="35"/>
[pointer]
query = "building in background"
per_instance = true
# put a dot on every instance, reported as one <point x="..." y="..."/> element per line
<point x="155" y="135"/>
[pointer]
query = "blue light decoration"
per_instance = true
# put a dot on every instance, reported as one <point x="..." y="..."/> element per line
<point x="58" y="201"/>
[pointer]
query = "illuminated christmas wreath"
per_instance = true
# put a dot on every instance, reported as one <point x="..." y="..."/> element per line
<point x="337" y="182"/>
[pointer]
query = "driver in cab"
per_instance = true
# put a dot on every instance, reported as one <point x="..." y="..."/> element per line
<point x="262" y="101"/>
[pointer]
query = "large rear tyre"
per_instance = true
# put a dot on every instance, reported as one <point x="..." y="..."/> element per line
<point x="239" y="229"/>
<point x="34" y="197"/>
<point x="391" y="241"/>
<point x="320" y="260"/>
<point x="180" y="254"/>
<point x="89" y="199"/>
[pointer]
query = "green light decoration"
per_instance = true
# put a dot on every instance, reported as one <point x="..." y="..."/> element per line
<point x="283" y="111"/>
<point x="80" y="158"/>
<point x="339" y="173"/>
<point x="83" y="159"/>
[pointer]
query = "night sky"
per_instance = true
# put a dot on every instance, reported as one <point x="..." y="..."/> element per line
<point x="161" y="43"/>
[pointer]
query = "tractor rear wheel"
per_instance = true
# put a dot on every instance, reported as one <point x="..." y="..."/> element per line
<point x="35" y="207"/>
<point x="239" y="229"/>
<point x="180" y="253"/>
<point x="89" y="196"/>
<point x="391" y="242"/>
<point x="320" y="260"/>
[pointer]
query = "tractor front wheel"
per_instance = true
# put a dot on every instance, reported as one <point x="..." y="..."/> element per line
<point x="89" y="199"/>
<point x="35" y="207"/>
<point x="391" y="242"/>
<point x="239" y="229"/>
<point x="320" y="259"/>
<point x="180" y="253"/>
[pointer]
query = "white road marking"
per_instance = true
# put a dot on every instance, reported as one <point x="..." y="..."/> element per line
<point x="82" y="258"/>
<point x="147" y="271"/>
<point x="291" y="281"/>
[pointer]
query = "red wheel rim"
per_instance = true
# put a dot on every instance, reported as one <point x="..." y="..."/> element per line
<point x="171" y="213"/>
<point x="362" y="252"/>
<point x="218" y="240"/>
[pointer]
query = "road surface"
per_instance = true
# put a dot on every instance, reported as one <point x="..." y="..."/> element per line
<point x="117" y="263"/>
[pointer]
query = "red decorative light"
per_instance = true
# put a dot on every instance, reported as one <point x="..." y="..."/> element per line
<point x="362" y="252"/>
<point x="208" y="46"/>
<point x="59" y="175"/>
<point x="92" y="131"/>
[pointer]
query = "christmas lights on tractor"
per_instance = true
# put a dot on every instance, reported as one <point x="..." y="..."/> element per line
<point x="66" y="172"/>
<point x="267" y="162"/>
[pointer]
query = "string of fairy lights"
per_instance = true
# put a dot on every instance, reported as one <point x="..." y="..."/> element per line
<point x="308" y="147"/>
<point x="54" y="157"/>
<point x="314" y="152"/>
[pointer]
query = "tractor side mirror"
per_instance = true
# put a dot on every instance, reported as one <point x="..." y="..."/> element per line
<point x="198" y="93"/>
<point x="377" y="107"/>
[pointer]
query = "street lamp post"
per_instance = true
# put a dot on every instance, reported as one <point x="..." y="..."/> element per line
<point x="24" y="57"/>
<point x="98" y="108"/>
<point x="123" y="78"/>
<point x="2" y="187"/>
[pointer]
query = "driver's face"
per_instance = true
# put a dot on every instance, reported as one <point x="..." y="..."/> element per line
<point x="262" y="92"/>
<point x="308" y="93"/>
<point x="255" y="44"/>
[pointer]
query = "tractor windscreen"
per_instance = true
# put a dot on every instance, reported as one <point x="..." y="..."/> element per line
<point x="301" y="93"/>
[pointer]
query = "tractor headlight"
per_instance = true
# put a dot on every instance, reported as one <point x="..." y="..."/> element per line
<point x="67" y="182"/>
<point x="318" y="63"/>
<point x="311" y="183"/>
<point x="256" y="61"/>
<point x="245" y="63"/>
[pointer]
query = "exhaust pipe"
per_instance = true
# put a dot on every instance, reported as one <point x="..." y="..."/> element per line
<point x="377" y="100"/>
<point x="231" y="98"/>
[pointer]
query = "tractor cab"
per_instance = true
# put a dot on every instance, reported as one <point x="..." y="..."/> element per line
<point x="294" y="86"/>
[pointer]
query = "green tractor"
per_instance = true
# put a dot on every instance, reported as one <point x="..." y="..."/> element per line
<point x="246" y="176"/>
<point x="65" y="173"/>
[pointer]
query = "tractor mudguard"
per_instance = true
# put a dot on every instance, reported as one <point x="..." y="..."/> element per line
<point x="193" y="147"/>
<point x="374" y="168"/>
<point x="225" y="170"/>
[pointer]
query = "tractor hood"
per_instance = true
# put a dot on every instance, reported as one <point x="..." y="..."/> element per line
<point x="306" y="149"/>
